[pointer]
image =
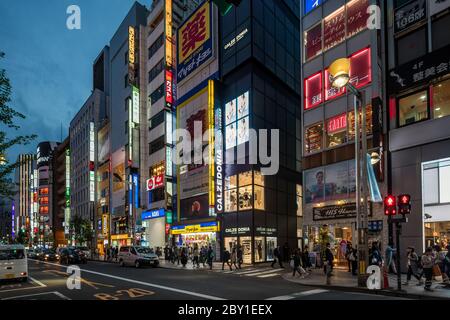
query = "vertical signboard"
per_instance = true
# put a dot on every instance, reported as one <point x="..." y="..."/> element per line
<point x="169" y="34"/>
<point x="195" y="41"/>
<point x="218" y="135"/>
<point x="67" y="207"/>
<point x="136" y="105"/>
<point x="131" y="54"/>
<point x="92" y="162"/>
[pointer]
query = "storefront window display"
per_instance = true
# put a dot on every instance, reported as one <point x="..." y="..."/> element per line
<point x="271" y="245"/>
<point x="246" y="244"/>
<point x="230" y="243"/>
<point x="260" y="249"/>
<point x="299" y="201"/>
<point x="244" y="195"/>
<point x="351" y="123"/>
<point x="314" y="138"/>
<point x="202" y="239"/>
<point x="337" y="130"/>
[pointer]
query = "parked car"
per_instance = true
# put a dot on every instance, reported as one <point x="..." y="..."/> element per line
<point x="72" y="256"/>
<point x="49" y="255"/>
<point x="137" y="256"/>
<point x="32" y="254"/>
<point x="85" y="250"/>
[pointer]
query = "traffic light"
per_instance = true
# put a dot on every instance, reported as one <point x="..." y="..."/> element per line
<point x="390" y="206"/>
<point x="226" y="5"/>
<point x="404" y="204"/>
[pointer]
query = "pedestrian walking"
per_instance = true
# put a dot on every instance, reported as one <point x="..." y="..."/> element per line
<point x="196" y="254"/>
<point x="210" y="257"/>
<point x="184" y="257"/>
<point x="297" y="265"/>
<point x="348" y="252"/>
<point x="239" y="256"/>
<point x="203" y="254"/>
<point x="389" y="258"/>
<point x="428" y="263"/>
<point x="277" y="256"/>
<point x="414" y="267"/>
<point x="328" y="263"/>
<point x="305" y="259"/>
<point x="234" y="258"/>
<point x="226" y="259"/>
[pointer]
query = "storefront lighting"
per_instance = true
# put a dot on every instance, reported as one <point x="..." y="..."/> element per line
<point x="375" y="158"/>
<point x="340" y="73"/>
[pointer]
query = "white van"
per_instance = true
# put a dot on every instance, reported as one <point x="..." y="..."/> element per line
<point x="13" y="262"/>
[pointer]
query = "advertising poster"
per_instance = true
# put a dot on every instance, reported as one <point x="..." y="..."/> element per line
<point x="119" y="177"/>
<point x="230" y="112"/>
<point x="194" y="208"/>
<point x="194" y="180"/>
<point x="243" y="105"/>
<point x="103" y="145"/>
<point x="314" y="184"/>
<point x="336" y="181"/>
<point x="230" y="134"/>
<point x="243" y="131"/>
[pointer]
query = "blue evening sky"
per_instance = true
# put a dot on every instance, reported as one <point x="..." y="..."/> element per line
<point x="50" y="67"/>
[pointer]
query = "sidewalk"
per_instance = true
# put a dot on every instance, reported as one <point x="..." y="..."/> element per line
<point x="343" y="280"/>
<point x="216" y="266"/>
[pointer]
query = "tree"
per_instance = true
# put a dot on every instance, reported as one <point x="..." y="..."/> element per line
<point x="7" y="118"/>
<point x="81" y="229"/>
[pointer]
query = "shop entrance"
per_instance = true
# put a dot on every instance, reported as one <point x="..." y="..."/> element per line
<point x="344" y="236"/>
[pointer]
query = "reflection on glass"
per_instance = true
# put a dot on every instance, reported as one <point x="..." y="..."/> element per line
<point x="245" y="198"/>
<point x="259" y="198"/>
<point x="231" y="200"/>
<point x="441" y="99"/>
<point x="259" y="249"/>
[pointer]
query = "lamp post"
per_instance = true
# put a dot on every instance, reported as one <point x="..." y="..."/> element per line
<point x="340" y="78"/>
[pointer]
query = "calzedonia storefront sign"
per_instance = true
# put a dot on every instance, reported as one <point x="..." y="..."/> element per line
<point x="335" y="212"/>
<point x="422" y="70"/>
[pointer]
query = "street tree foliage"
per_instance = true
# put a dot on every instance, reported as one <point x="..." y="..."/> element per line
<point x="8" y="117"/>
<point x="81" y="229"/>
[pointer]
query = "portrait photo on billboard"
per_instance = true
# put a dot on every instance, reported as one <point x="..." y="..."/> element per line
<point x="336" y="181"/>
<point x="230" y="112"/>
<point x="243" y="131"/>
<point x="314" y="185"/>
<point x="230" y="134"/>
<point x="243" y="105"/>
<point x="194" y="208"/>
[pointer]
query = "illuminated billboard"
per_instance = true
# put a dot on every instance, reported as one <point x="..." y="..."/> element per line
<point x="195" y="41"/>
<point x="237" y="121"/>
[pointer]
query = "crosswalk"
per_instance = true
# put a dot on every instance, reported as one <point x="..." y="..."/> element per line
<point x="254" y="272"/>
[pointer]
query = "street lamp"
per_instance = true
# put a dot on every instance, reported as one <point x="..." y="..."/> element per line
<point x="339" y="78"/>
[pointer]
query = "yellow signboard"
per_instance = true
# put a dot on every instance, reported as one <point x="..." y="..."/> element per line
<point x="131" y="45"/>
<point x="194" y="33"/>
<point x="169" y="35"/>
<point x="196" y="228"/>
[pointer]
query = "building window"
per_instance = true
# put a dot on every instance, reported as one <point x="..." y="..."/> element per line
<point x="231" y="194"/>
<point x="441" y="99"/>
<point x="156" y="120"/>
<point x="413" y="108"/>
<point x="156" y="70"/>
<point x="157" y="145"/>
<point x="156" y="195"/>
<point x="244" y="195"/>
<point x="313" y="138"/>
<point x="157" y="94"/>
<point x="299" y="201"/>
<point x="158" y="169"/>
<point x="126" y="58"/>
<point x="334" y="29"/>
<point x="337" y="130"/>
<point x="245" y="198"/>
<point x="126" y="127"/>
<point x="313" y="42"/>
<point x="411" y="46"/>
<point x="126" y="81"/>
<point x="156" y="45"/>
<point x="313" y="91"/>
<point x="351" y="123"/>
<point x="436" y="183"/>
<point x="440" y="29"/>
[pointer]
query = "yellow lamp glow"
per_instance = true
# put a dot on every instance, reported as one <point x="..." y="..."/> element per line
<point x="340" y="73"/>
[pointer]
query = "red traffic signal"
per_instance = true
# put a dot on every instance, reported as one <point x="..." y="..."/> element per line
<point x="404" y="204"/>
<point x="390" y="206"/>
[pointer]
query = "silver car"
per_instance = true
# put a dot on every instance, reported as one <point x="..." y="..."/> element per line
<point x="137" y="256"/>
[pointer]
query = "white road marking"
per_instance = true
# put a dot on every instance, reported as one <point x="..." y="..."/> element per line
<point x="38" y="294"/>
<point x="269" y="275"/>
<point x="37" y="282"/>
<point x="311" y="292"/>
<point x="252" y="271"/>
<point x="195" y="294"/>
<point x="260" y="273"/>
<point x="299" y="294"/>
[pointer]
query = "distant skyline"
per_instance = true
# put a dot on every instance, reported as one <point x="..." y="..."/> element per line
<point x="50" y="66"/>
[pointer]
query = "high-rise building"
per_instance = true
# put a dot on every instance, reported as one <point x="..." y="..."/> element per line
<point x="6" y="220"/>
<point x="60" y="176"/>
<point x="44" y="156"/>
<point x="331" y="30"/>
<point x="157" y="170"/>
<point x="418" y="77"/>
<point x="126" y="107"/>
<point x="26" y="198"/>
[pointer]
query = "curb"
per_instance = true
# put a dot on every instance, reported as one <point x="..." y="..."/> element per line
<point x="383" y="292"/>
